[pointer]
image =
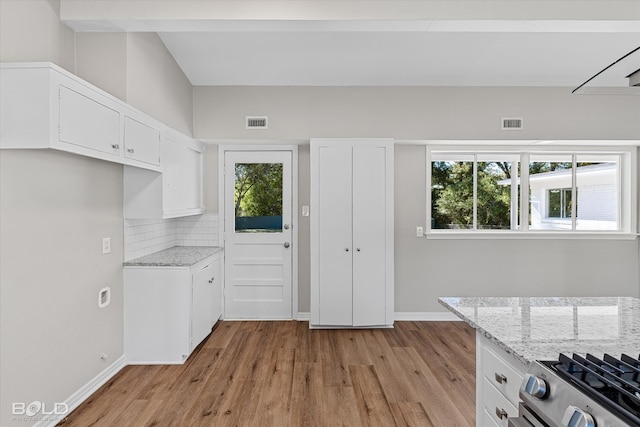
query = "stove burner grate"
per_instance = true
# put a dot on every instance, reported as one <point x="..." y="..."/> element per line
<point x="613" y="382"/>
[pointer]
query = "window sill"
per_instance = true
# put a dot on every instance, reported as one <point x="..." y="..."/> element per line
<point x="527" y="235"/>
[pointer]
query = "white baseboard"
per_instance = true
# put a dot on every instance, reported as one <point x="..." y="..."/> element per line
<point x="87" y="390"/>
<point x="427" y="316"/>
<point x="419" y="316"/>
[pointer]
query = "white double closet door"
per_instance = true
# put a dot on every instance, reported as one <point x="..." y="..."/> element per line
<point x="352" y="232"/>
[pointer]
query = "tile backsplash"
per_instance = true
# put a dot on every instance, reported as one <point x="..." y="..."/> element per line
<point x="145" y="236"/>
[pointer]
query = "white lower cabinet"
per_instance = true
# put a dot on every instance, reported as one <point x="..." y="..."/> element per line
<point x="498" y="379"/>
<point x="168" y="311"/>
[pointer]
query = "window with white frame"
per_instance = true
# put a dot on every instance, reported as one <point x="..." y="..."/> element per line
<point x="566" y="190"/>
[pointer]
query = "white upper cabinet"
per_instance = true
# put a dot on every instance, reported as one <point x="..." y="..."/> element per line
<point x="182" y="168"/>
<point x="177" y="191"/>
<point x="141" y="141"/>
<point x="44" y="106"/>
<point x="86" y="122"/>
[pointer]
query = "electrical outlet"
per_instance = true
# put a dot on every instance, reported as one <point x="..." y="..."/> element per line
<point x="106" y="245"/>
<point x="419" y="231"/>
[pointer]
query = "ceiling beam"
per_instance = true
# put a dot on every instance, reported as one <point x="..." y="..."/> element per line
<point x="209" y="15"/>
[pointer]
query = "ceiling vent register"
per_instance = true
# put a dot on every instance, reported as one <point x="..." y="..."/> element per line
<point x="254" y="122"/>
<point x="512" y="123"/>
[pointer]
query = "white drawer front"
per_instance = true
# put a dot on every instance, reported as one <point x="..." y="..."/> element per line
<point x="495" y="402"/>
<point x="488" y="420"/>
<point x="502" y="376"/>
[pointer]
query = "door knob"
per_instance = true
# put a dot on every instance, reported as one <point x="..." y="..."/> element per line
<point x="287" y="244"/>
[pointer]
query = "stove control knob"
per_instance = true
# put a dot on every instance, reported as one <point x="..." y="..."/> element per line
<point x="536" y="387"/>
<point x="576" y="417"/>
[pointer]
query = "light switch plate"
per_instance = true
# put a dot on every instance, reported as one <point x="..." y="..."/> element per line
<point x="305" y="211"/>
<point x="419" y="232"/>
<point x="106" y="245"/>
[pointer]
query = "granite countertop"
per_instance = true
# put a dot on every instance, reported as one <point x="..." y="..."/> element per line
<point x="540" y="328"/>
<point x="178" y="256"/>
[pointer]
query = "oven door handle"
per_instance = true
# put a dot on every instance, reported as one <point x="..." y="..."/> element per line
<point x="526" y="418"/>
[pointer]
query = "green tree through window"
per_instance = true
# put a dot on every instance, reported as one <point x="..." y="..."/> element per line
<point x="258" y="196"/>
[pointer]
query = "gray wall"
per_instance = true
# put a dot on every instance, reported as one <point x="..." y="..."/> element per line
<point x="55" y="208"/>
<point x="31" y="31"/>
<point x="137" y="68"/>
<point x="426" y="269"/>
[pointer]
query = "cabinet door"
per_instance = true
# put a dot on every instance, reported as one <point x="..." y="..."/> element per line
<point x="141" y="142"/>
<point x="369" y="237"/>
<point x="173" y="161"/>
<point x="182" y="177"/>
<point x="202" y="304"/>
<point x="334" y="236"/>
<point x="218" y="297"/>
<point x="192" y="178"/>
<point x="87" y="123"/>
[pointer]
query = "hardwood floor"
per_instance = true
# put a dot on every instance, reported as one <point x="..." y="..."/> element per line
<point x="284" y="374"/>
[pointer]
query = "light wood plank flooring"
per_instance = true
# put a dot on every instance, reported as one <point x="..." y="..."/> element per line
<point x="284" y="374"/>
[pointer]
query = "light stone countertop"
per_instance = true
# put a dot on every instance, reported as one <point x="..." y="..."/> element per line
<point x="177" y="256"/>
<point x="540" y="328"/>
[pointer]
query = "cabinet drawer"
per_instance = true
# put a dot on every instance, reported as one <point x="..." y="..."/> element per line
<point x="502" y="376"/>
<point x="495" y="402"/>
<point x="488" y="420"/>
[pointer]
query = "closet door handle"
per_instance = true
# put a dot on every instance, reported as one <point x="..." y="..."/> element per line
<point x="346" y="249"/>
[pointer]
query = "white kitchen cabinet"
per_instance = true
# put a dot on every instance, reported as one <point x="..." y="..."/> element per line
<point x="44" y="106"/>
<point x="168" y="311"/>
<point x="85" y="121"/>
<point x="177" y="191"/>
<point x="499" y="376"/>
<point x="141" y="141"/>
<point x="351" y="233"/>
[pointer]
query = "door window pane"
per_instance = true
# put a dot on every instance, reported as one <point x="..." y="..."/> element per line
<point x="258" y="197"/>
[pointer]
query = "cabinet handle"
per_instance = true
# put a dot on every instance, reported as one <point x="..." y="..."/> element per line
<point x="358" y="249"/>
<point x="500" y="378"/>
<point x="501" y="413"/>
<point x="346" y="249"/>
<point x="130" y="150"/>
<point x="212" y="279"/>
<point x="115" y="146"/>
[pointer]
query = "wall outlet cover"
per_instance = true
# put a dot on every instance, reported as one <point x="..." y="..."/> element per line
<point x="106" y="245"/>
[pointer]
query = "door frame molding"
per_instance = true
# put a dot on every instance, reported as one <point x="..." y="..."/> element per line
<point x="222" y="149"/>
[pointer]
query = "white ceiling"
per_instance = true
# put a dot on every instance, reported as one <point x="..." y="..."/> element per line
<point x="382" y="42"/>
<point x="405" y="58"/>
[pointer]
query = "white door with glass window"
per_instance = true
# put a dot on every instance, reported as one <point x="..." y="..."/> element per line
<point x="258" y="234"/>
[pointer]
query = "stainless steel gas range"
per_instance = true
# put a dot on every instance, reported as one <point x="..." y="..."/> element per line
<point x="577" y="391"/>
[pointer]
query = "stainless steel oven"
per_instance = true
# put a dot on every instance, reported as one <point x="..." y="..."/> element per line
<point x="581" y="391"/>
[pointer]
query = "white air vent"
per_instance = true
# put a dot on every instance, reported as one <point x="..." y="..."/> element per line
<point x="254" y="122"/>
<point x="512" y="123"/>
